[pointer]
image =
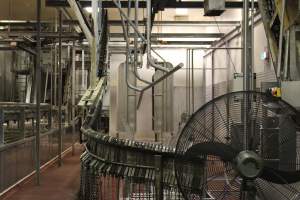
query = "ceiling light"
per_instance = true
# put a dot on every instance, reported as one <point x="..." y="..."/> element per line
<point x="181" y="11"/>
<point x="89" y="9"/>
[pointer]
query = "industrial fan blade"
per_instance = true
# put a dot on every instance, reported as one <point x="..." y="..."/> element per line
<point x="239" y="138"/>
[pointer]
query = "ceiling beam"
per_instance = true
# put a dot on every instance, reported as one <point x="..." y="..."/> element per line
<point x="162" y="23"/>
<point x="174" y="35"/>
<point x="70" y="35"/>
<point x="142" y="4"/>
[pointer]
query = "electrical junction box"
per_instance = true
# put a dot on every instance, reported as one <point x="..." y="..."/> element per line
<point x="214" y="7"/>
<point x="290" y="92"/>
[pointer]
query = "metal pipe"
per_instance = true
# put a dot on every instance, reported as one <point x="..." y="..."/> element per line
<point x="187" y="82"/>
<point x="252" y="44"/>
<point x="127" y="43"/>
<point x="118" y="5"/>
<point x="150" y="60"/>
<point x="179" y="66"/>
<point x="193" y="89"/>
<point x="82" y="70"/>
<point x="46" y="86"/>
<point x="246" y="46"/>
<point x="51" y="88"/>
<point x="136" y="45"/>
<point x="60" y="92"/>
<point x="38" y="92"/>
<point x="286" y="58"/>
<point x="279" y="57"/>
<point x="73" y="97"/>
<point x="247" y="72"/>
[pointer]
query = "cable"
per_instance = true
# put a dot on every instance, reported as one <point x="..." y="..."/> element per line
<point x="228" y="53"/>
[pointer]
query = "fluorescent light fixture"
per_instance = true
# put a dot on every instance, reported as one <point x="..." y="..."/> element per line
<point x="181" y="12"/>
<point x="88" y="9"/>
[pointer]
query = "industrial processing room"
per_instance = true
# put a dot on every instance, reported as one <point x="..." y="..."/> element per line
<point x="150" y="100"/>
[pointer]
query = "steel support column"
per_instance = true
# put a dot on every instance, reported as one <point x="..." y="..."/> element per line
<point x="73" y="97"/>
<point x="246" y="55"/>
<point x="38" y="91"/>
<point x="60" y="91"/>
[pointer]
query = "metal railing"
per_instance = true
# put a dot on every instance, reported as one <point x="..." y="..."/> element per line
<point x="18" y="147"/>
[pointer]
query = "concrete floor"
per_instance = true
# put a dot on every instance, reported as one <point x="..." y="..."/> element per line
<point x="56" y="182"/>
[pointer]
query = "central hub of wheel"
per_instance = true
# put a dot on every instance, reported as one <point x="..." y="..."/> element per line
<point x="249" y="164"/>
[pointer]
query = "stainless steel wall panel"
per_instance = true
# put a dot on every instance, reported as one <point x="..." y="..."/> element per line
<point x="126" y="101"/>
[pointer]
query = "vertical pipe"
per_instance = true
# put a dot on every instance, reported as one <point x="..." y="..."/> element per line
<point x="55" y="65"/>
<point x="51" y="87"/>
<point x="286" y="56"/>
<point x="213" y="74"/>
<point x="60" y="91"/>
<point x="149" y="11"/>
<point x="189" y="82"/>
<point x="136" y="18"/>
<point x="246" y="64"/>
<point x="252" y="47"/>
<point x="193" y="86"/>
<point x="73" y="98"/>
<point x="38" y="91"/>
<point x="246" y="47"/>
<point x="83" y="71"/>
<point x="46" y="86"/>
<point x="213" y="90"/>
<point x="186" y="82"/>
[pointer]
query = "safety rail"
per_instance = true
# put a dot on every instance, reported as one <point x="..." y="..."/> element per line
<point x="18" y="161"/>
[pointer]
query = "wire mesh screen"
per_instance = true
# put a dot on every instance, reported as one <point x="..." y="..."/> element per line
<point x="229" y="124"/>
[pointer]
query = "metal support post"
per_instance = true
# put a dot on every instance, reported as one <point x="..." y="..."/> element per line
<point x="51" y="89"/>
<point x="38" y="92"/>
<point x="82" y="70"/>
<point x="73" y="98"/>
<point x="193" y="83"/>
<point x="159" y="191"/>
<point x="1" y="127"/>
<point x="22" y="122"/>
<point x="213" y="89"/>
<point x="246" y="56"/>
<point x="60" y="92"/>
